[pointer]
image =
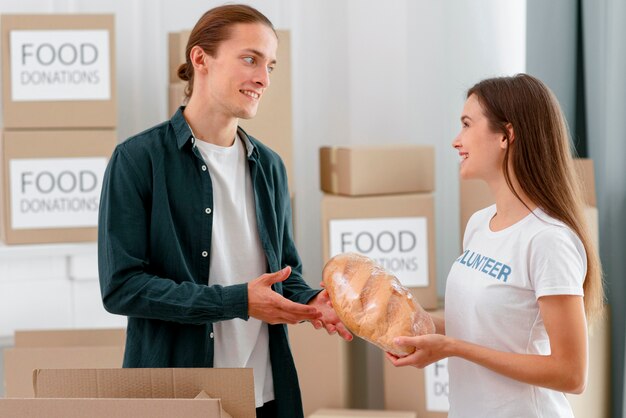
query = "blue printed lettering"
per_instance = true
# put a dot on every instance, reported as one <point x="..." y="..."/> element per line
<point x="461" y="259"/>
<point x="506" y="270"/>
<point x="495" y="269"/>
<point x="488" y="265"/>
<point x="485" y="264"/>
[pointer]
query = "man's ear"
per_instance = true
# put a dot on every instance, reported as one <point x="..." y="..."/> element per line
<point x="197" y="57"/>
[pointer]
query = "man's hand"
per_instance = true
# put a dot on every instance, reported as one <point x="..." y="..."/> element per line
<point x="329" y="319"/>
<point x="270" y="307"/>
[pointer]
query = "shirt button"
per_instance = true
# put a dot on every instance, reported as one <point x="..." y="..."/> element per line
<point x="203" y="167"/>
<point x="193" y="140"/>
<point x="205" y="254"/>
<point x="208" y="211"/>
<point x="211" y="335"/>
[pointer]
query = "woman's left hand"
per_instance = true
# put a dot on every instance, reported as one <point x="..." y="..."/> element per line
<point x="428" y="349"/>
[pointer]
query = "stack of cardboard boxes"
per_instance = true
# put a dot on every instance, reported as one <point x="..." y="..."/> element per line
<point x="59" y="119"/>
<point x="378" y="202"/>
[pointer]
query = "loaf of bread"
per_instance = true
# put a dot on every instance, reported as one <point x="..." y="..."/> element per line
<point x="372" y="303"/>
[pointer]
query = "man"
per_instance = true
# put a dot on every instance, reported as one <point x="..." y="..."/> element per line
<point x="195" y="213"/>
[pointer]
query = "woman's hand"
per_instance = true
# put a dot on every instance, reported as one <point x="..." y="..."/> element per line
<point x="428" y="349"/>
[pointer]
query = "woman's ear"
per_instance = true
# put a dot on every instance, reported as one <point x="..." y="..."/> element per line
<point x="509" y="138"/>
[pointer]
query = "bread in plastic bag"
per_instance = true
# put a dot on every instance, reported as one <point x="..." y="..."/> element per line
<point x="372" y="303"/>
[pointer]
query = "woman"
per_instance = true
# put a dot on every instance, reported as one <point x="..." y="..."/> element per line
<point x="518" y="298"/>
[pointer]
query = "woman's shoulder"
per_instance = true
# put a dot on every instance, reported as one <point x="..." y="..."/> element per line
<point x="547" y="231"/>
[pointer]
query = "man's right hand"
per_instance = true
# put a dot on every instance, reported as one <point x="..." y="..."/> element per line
<point x="270" y="307"/>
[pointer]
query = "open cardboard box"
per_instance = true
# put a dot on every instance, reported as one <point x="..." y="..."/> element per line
<point x="208" y="393"/>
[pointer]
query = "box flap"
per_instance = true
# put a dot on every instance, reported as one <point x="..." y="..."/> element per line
<point x="204" y="395"/>
<point x="234" y="387"/>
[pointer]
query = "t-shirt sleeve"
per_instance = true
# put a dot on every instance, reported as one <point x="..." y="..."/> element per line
<point x="558" y="263"/>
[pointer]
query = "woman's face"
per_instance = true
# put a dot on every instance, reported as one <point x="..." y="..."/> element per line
<point x="481" y="150"/>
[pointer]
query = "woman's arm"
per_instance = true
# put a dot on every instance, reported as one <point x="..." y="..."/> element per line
<point x="564" y="369"/>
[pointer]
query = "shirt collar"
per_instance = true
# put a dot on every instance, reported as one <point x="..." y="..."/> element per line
<point x="184" y="134"/>
<point x="181" y="128"/>
<point x="250" y="148"/>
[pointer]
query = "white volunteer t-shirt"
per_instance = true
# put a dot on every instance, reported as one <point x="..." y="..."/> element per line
<point x="491" y="300"/>
<point x="237" y="256"/>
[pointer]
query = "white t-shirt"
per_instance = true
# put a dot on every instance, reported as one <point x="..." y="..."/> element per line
<point x="491" y="300"/>
<point x="237" y="256"/>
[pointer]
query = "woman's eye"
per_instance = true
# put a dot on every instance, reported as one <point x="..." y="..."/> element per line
<point x="249" y="60"/>
<point x="270" y="69"/>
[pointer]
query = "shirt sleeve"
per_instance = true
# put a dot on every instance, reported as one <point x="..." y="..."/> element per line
<point x="128" y="287"/>
<point x="558" y="263"/>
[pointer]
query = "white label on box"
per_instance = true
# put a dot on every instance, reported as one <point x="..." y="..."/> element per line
<point x="436" y="376"/>
<point x="55" y="192"/>
<point x="51" y="65"/>
<point x="399" y="245"/>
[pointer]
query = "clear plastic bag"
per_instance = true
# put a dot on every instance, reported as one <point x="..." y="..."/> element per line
<point x="373" y="304"/>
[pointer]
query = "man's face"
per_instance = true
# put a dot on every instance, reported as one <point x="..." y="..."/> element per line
<point x="240" y="72"/>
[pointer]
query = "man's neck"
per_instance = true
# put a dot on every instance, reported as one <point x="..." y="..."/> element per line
<point x="210" y="126"/>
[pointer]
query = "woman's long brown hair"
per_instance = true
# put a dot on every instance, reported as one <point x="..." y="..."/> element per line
<point x="540" y="156"/>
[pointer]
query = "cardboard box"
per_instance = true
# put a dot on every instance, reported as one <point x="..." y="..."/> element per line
<point x="19" y="363"/>
<point x="360" y="413"/>
<point x="595" y="400"/>
<point x="234" y="387"/>
<point x="475" y="195"/>
<point x="58" y="71"/>
<point x="592" y="220"/>
<point x="424" y="391"/>
<point x="397" y="231"/>
<point x="322" y="364"/>
<point x="59" y="348"/>
<point x="584" y="168"/>
<point x="175" y="97"/>
<point x="52" y="183"/>
<point x="273" y="123"/>
<point x="111" y="408"/>
<point x="177" y="45"/>
<point x="377" y="170"/>
<point x="70" y="338"/>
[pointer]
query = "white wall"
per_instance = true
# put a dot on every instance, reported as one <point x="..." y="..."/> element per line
<point x="364" y="72"/>
<point x="373" y="71"/>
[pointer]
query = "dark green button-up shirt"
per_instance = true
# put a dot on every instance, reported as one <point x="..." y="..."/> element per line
<point x="154" y="243"/>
